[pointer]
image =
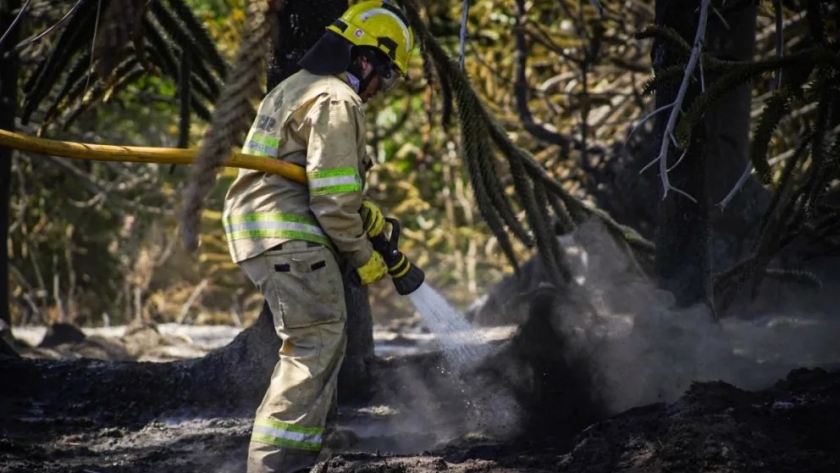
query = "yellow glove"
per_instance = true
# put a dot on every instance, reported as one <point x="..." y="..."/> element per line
<point x="372" y="271"/>
<point x="372" y="219"/>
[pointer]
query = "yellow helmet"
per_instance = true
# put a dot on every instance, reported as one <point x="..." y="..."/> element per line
<point x="381" y="25"/>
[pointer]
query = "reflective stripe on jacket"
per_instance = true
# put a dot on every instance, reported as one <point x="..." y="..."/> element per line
<point x="312" y="121"/>
<point x="274" y="225"/>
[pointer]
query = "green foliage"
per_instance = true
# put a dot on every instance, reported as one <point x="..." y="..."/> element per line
<point x="93" y="239"/>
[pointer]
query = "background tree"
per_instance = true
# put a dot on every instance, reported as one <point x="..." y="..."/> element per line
<point x="8" y="110"/>
<point x="683" y="234"/>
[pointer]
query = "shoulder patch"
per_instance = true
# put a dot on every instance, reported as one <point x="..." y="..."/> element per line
<point x="266" y="123"/>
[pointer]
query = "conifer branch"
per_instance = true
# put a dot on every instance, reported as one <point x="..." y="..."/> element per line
<point x="780" y="40"/>
<point x="775" y="84"/>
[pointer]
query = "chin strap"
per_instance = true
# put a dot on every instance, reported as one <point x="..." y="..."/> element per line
<point x="364" y="83"/>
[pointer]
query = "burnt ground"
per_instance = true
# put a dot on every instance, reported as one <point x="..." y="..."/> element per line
<point x="90" y="423"/>
<point x="792" y="426"/>
<point x="94" y="416"/>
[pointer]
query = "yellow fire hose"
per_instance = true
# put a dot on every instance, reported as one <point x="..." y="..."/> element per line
<point x="143" y="154"/>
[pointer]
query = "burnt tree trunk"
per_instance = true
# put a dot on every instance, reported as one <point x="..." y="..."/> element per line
<point x="682" y="232"/>
<point x="8" y="110"/>
<point x="728" y="129"/>
<point x="301" y="24"/>
<point x="694" y="239"/>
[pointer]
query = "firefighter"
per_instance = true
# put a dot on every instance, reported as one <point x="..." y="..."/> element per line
<point x="296" y="241"/>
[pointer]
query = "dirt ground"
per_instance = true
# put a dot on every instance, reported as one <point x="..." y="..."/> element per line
<point x="423" y="419"/>
<point x="793" y="426"/>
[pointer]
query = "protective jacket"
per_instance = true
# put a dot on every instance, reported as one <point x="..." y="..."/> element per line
<point x="317" y="122"/>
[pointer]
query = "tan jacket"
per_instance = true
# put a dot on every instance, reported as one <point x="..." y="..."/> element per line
<point x="312" y="121"/>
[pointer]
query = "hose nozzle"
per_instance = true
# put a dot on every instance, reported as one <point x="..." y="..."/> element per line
<point x="405" y="276"/>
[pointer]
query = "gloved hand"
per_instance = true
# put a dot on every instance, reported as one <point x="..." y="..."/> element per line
<point x="372" y="219"/>
<point x="372" y="271"/>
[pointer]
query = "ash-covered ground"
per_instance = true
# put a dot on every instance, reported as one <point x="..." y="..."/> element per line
<point x="421" y="421"/>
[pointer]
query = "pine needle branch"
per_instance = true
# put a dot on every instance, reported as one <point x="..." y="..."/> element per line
<point x="536" y="192"/>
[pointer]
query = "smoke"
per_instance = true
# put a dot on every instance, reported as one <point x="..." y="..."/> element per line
<point x="424" y="420"/>
<point x="426" y="404"/>
<point x="644" y="350"/>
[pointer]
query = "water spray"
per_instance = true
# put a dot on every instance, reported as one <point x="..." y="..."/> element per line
<point x="462" y="345"/>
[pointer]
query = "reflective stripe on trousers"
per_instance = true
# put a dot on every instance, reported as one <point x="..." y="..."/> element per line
<point x="274" y="225"/>
<point x="283" y="434"/>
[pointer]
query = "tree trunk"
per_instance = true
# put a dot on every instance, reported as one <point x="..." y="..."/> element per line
<point x="633" y="199"/>
<point x="683" y="233"/>
<point x="728" y="142"/>
<point x="691" y="243"/>
<point x="694" y="240"/>
<point x="8" y="110"/>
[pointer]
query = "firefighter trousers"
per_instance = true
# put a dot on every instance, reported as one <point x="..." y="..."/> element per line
<point x="303" y="286"/>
